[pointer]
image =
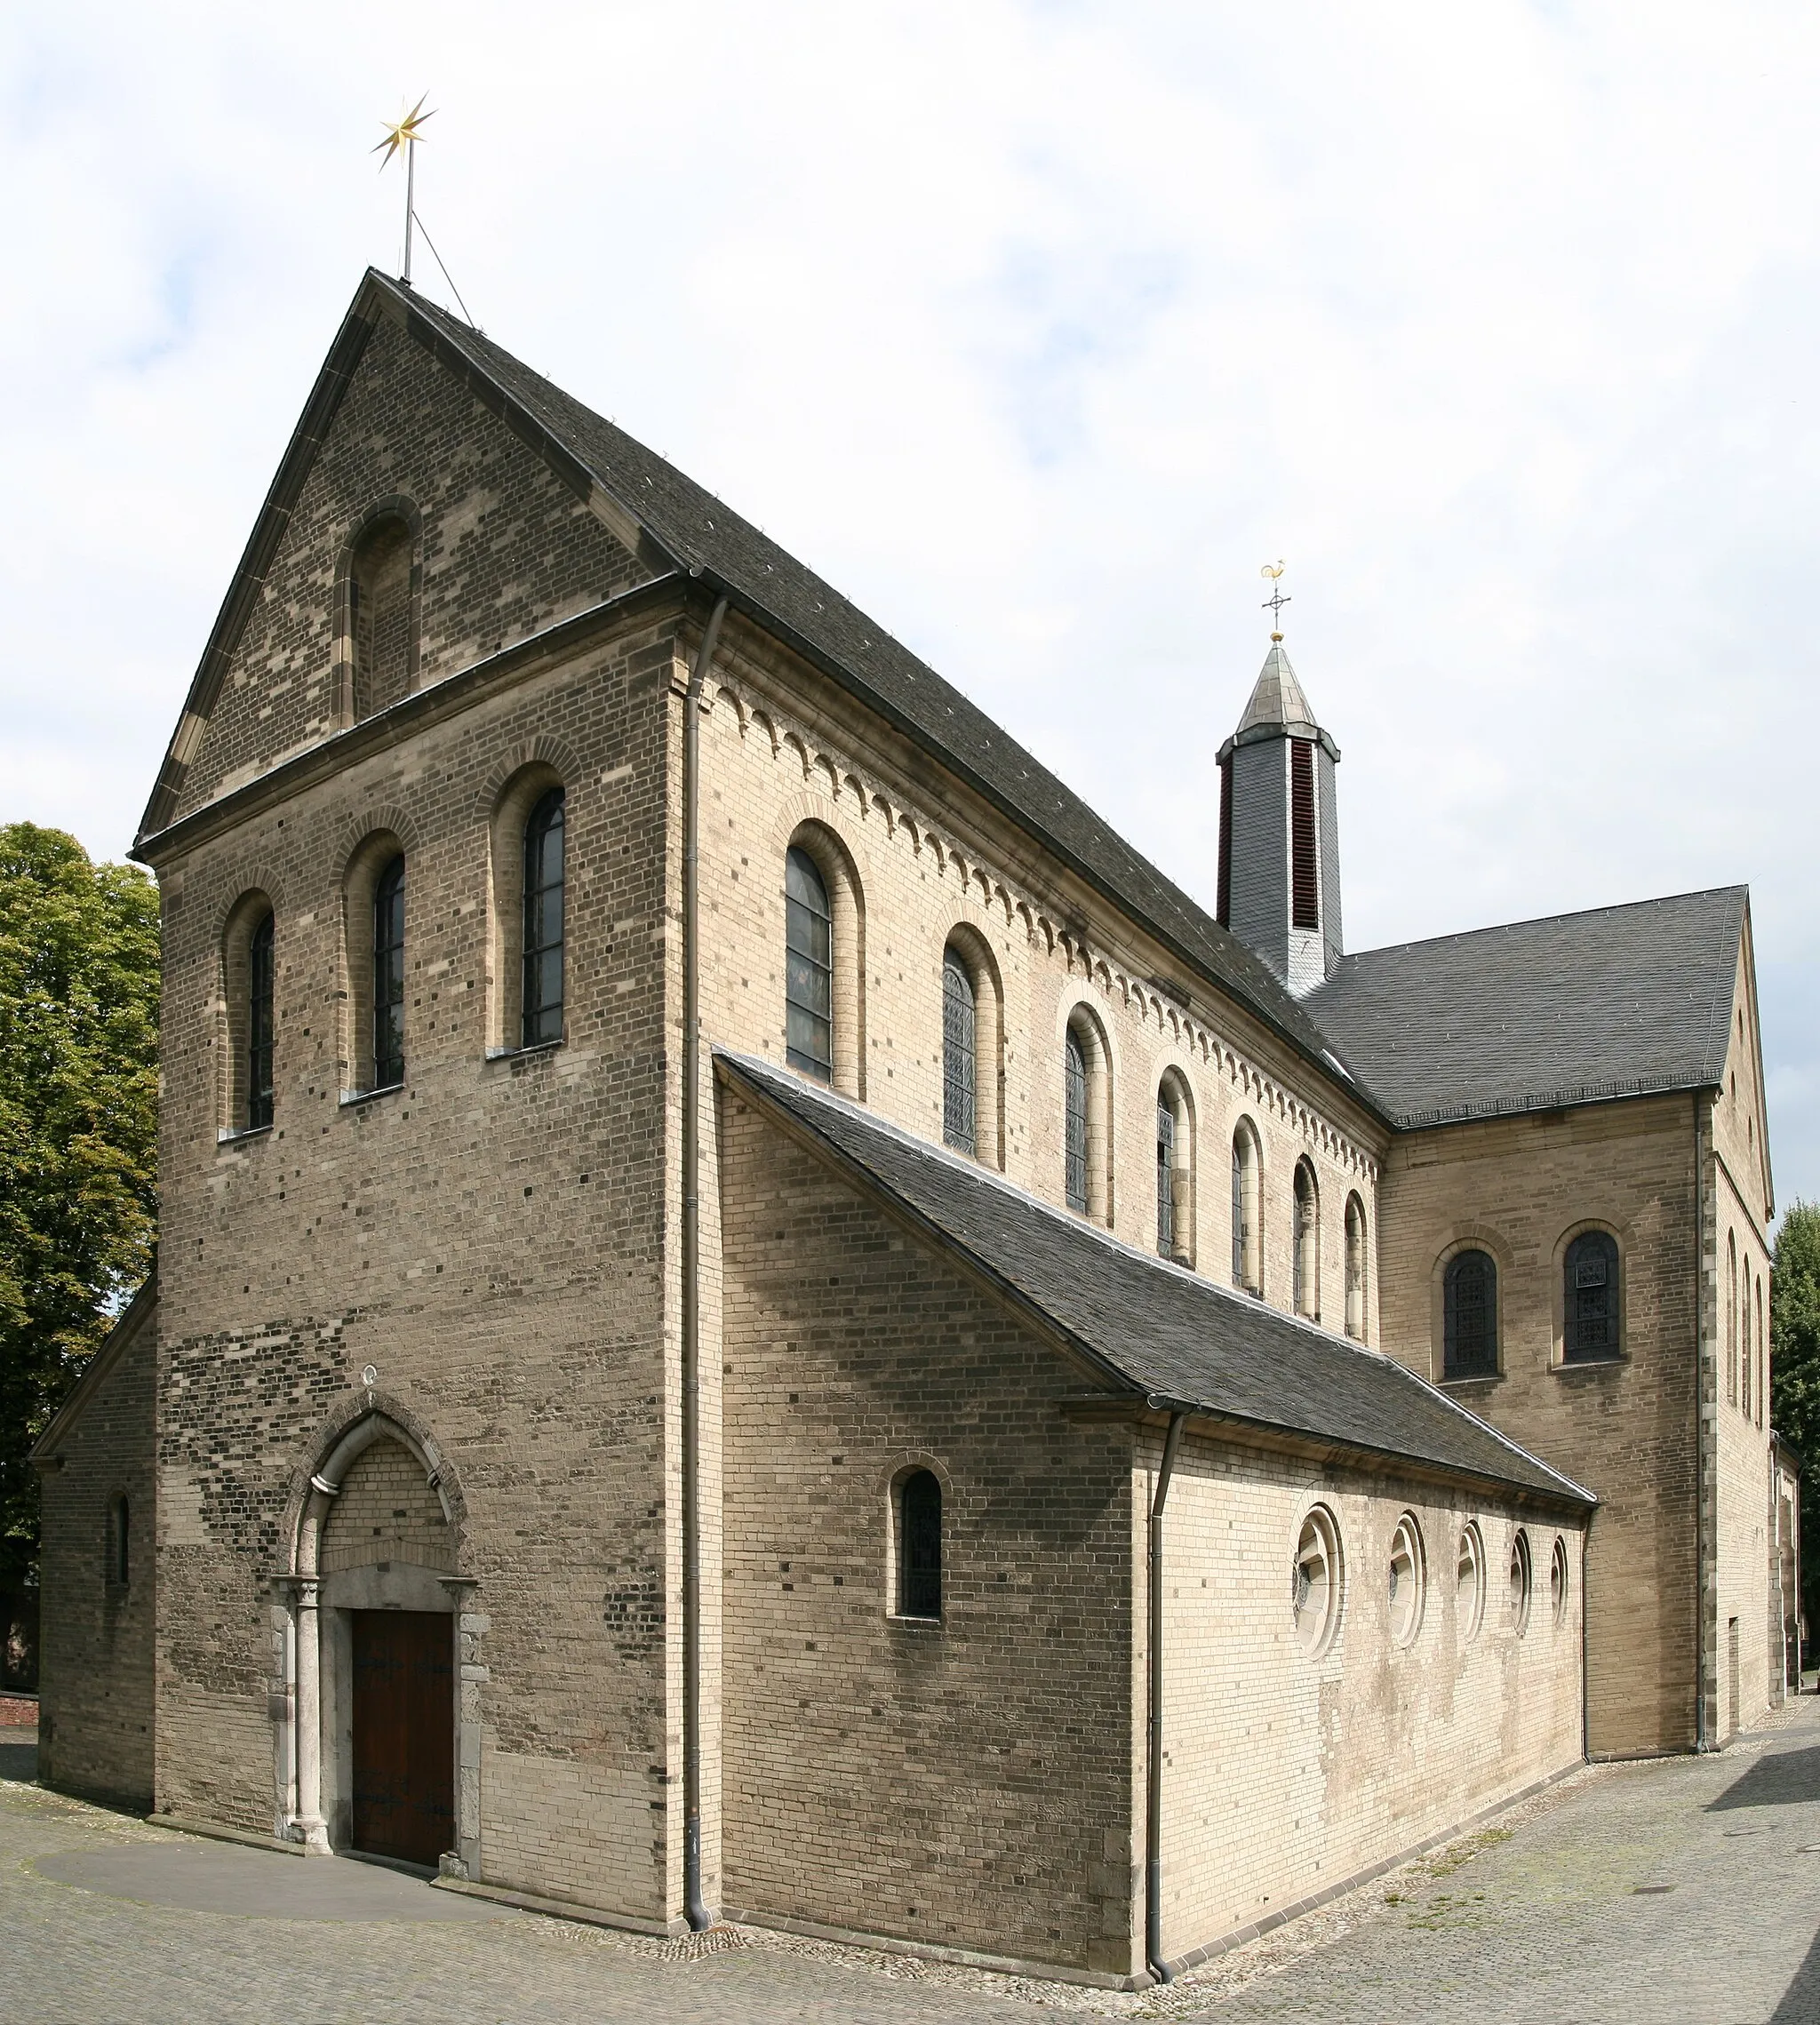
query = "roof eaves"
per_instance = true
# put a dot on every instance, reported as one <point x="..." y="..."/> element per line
<point x="114" y="1347"/>
<point x="1567" y="1097"/>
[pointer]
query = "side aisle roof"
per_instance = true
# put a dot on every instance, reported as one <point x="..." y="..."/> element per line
<point x="1162" y="1334"/>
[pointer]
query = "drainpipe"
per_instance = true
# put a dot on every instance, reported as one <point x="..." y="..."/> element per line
<point x="1152" y="1837"/>
<point x="698" y="1914"/>
<point x="1699" y="1437"/>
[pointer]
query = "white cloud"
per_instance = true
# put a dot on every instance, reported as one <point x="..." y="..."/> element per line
<point x="1036" y="328"/>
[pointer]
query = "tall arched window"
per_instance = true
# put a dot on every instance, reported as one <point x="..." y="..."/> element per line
<point x="259" y="1024"/>
<point x="1305" y="1245"/>
<point x="1086" y="1117"/>
<point x="959" y="1056"/>
<point x="809" y="967"/>
<point x="920" y="1545"/>
<point x="1590" y="1299"/>
<point x="1355" y="1269"/>
<point x="541" y="992"/>
<point x="1731" y="1319"/>
<point x="380" y="616"/>
<point x="1165" y="1179"/>
<point x="1175" y="1170"/>
<point x="1247" y="1247"/>
<point x="1469" y="1302"/>
<point x="1075" y="1119"/>
<point x="389" y="977"/>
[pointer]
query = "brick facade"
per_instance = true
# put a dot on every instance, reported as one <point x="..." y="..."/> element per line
<point x="95" y="1678"/>
<point x="484" y="1261"/>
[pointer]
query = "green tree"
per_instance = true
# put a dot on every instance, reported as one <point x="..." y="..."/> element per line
<point x="79" y="1134"/>
<point x="1794" y="1386"/>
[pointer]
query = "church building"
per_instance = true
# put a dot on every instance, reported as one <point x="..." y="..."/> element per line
<point x="758" y="1320"/>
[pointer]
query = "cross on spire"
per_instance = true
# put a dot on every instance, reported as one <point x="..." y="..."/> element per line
<point x="1273" y="604"/>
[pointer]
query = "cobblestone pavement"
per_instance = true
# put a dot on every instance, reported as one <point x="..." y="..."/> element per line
<point x="1682" y="1890"/>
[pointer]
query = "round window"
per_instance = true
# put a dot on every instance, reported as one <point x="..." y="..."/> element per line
<point x="1316" y="1581"/>
<point x="1520" y="1583"/>
<point x="1469" y="1584"/>
<point x="1407" y="1581"/>
<point x="1558" y="1579"/>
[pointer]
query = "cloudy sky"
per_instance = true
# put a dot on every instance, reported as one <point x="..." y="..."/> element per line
<point x="1036" y="328"/>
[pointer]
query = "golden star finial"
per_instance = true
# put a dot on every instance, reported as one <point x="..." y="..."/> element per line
<point x="404" y="129"/>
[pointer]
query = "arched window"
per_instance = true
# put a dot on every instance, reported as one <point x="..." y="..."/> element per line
<point x="1520" y="1582"/>
<point x="1469" y="1584"/>
<point x="920" y="1545"/>
<point x="1731" y="1317"/>
<point x="809" y="967"/>
<point x="119" y="1543"/>
<point x="1247" y="1245"/>
<point x="1085" y="1108"/>
<point x="259" y="1024"/>
<point x="1305" y="1243"/>
<point x="389" y="977"/>
<point x="542" y="992"/>
<point x="1175" y="1170"/>
<point x="1590" y="1299"/>
<point x="959" y="1056"/>
<point x="1355" y="1269"/>
<point x="1469" y="1302"/>
<point x="1074" y="1119"/>
<point x="379" y="621"/>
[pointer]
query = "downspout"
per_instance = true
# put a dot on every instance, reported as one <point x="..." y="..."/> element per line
<point x="1152" y="1835"/>
<point x="697" y="1912"/>
<point x="1585" y="1642"/>
<point x="1699" y="1436"/>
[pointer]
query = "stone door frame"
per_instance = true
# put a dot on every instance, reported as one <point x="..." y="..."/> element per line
<point x="311" y="1705"/>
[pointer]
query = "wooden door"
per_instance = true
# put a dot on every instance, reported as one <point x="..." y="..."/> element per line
<point x="404" y="1733"/>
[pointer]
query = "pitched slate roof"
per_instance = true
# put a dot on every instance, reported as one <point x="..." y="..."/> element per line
<point x="1616" y="1001"/>
<point x="708" y="539"/>
<point x="1158" y="1331"/>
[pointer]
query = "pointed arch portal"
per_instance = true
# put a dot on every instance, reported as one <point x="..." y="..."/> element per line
<point x="377" y="1732"/>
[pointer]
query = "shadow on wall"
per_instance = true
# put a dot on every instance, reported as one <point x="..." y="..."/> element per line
<point x="1784" y="1779"/>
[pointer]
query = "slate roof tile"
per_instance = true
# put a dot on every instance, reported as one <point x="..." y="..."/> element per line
<point x="1161" y="1331"/>
<point x="1615" y="1001"/>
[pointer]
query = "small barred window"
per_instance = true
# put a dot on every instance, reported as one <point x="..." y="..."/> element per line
<point x="389" y="977"/>
<point x="541" y="992"/>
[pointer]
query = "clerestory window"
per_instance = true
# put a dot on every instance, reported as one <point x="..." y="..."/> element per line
<point x="1588" y="1305"/>
<point x="809" y="967"/>
<point x="542" y="992"/>
<point x="959" y="1056"/>
<point x="1470" y="1323"/>
<point x="389" y="977"/>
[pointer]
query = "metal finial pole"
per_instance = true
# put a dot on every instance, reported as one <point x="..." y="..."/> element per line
<point x="404" y="132"/>
<point x="1273" y="604"/>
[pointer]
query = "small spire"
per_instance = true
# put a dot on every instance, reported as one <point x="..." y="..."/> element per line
<point x="1273" y="604"/>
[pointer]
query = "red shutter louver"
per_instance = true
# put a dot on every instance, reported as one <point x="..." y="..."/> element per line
<point x="1304" y="899"/>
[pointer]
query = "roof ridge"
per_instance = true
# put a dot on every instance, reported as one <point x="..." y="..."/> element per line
<point x="1545" y="920"/>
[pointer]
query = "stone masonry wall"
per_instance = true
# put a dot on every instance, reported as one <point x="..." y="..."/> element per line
<point x="1737" y="1396"/>
<point x="1287" y="1774"/>
<point x="489" y="1238"/>
<point x="970" y="1784"/>
<point x="1521" y="1187"/>
<point x="504" y="551"/>
<point x="927" y="859"/>
<point x="96" y="1735"/>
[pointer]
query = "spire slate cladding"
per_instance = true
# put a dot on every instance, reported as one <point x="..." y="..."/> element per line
<point x="1278" y="831"/>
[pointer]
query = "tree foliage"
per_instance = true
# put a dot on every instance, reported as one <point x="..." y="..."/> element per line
<point x="78" y="1134"/>
<point x="1794" y="1388"/>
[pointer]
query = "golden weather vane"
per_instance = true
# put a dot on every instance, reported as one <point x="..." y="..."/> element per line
<point x="402" y="136"/>
<point x="1273" y="604"/>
